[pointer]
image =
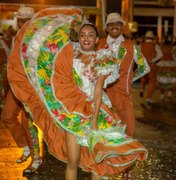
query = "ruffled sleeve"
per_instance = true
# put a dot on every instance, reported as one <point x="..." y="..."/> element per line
<point x="106" y="64"/>
<point x="65" y="88"/>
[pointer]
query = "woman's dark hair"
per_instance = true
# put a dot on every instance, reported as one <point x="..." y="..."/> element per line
<point x="89" y="23"/>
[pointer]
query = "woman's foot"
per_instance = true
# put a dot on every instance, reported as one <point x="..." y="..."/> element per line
<point x="33" y="167"/>
<point x="25" y="155"/>
<point x="127" y="175"/>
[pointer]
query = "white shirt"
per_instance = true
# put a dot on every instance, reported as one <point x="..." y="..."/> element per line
<point x="159" y="53"/>
<point x="116" y="42"/>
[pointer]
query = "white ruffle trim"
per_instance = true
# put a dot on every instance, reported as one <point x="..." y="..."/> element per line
<point x="88" y="86"/>
<point x="166" y="80"/>
<point x="166" y="63"/>
<point x="112" y="71"/>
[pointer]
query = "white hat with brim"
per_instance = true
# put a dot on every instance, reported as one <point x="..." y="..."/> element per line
<point x="24" y="12"/>
<point x="149" y="34"/>
<point x="114" y="17"/>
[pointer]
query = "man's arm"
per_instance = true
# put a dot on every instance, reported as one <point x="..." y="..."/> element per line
<point x="159" y="54"/>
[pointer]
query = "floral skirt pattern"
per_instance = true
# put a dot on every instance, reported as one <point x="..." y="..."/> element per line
<point x="106" y="151"/>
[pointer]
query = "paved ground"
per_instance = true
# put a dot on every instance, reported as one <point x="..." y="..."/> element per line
<point x="155" y="128"/>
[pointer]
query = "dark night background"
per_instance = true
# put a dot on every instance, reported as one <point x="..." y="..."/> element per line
<point x="112" y="5"/>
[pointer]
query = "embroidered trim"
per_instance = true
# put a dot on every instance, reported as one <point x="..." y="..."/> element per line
<point x="47" y="51"/>
<point x="141" y="62"/>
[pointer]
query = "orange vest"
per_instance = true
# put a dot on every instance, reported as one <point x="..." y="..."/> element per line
<point x="126" y="68"/>
<point x="148" y="50"/>
<point x="167" y="52"/>
<point x="102" y="43"/>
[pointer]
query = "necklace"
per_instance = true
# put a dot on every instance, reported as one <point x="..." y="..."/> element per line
<point x="78" y="51"/>
<point x="87" y="52"/>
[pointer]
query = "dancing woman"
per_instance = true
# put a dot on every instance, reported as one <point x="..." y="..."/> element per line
<point x="61" y="83"/>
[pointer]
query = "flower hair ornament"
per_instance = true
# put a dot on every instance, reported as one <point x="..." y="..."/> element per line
<point x="87" y="21"/>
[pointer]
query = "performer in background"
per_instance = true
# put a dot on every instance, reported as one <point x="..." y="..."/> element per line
<point x="153" y="53"/>
<point x="4" y="86"/>
<point x="166" y="75"/>
<point x="23" y="130"/>
<point x="120" y="91"/>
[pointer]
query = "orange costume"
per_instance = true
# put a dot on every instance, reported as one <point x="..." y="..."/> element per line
<point x="9" y="116"/>
<point x="148" y="50"/>
<point x="4" y="52"/>
<point x="167" y="52"/>
<point x="166" y="76"/>
<point x="24" y="132"/>
<point x="120" y="92"/>
<point x="21" y="125"/>
<point x="153" y="54"/>
<point x="48" y="82"/>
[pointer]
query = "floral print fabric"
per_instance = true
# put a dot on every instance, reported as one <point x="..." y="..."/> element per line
<point x="38" y="59"/>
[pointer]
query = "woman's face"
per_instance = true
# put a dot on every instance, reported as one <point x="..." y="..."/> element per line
<point x="88" y="38"/>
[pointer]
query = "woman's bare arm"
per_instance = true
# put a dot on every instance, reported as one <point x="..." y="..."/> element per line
<point x="97" y="99"/>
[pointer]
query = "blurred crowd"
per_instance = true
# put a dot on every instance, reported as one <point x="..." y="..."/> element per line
<point x="161" y="56"/>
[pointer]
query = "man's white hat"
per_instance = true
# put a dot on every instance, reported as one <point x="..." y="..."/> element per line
<point x="24" y="12"/>
<point x="149" y="34"/>
<point x="114" y="17"/>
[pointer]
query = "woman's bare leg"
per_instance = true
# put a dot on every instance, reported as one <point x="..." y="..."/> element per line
<point x="73" y="157"/>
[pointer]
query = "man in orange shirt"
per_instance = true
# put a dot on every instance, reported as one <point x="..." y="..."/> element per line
<point x="153" y="54"/>
<point x="24" y="133"/>
<point x="4" y="52"/>
<point x="120" y="91"/>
